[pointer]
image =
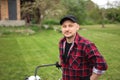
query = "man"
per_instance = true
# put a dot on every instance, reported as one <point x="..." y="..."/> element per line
<point x="79" y="58"/>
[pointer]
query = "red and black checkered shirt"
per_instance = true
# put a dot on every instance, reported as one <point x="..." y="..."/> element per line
<point x="82" y="57"/>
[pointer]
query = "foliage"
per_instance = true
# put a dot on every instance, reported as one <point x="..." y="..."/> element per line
<point x="113" y="14"/>
<point x="92" y="12"/>
<point x="87" y="12"/>
<point x="93" y="15"/>
<point x="51" y="22"/>
<point x="35" y="28"/>
<point x="38" y="9"/>
<point x="77" y="8"/>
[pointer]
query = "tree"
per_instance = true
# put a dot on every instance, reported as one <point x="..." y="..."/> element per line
<point x="93" y="13"/>
<point x="47" y="7"/>
<point x="102" y="13"/>
<point x="113" y="15"/>
<point x="38" y="9"/>
<point x="77" y="8"/>
<point x="26" y="11"/>
<point x="113" y="12"/>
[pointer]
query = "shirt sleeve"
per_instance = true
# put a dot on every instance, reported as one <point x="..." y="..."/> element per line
<point x="98" y="71"/>
<point x="96" y="59"/>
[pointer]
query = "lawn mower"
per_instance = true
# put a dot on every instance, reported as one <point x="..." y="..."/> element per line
<point x="36" y="77"/>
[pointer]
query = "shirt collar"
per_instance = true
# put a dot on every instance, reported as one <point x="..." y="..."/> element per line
<point x="76" y="40"/>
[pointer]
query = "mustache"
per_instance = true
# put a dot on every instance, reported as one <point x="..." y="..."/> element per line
<point x="67" y="32"/>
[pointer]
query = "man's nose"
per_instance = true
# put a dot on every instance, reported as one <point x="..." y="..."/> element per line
<point x="67" y="28"/>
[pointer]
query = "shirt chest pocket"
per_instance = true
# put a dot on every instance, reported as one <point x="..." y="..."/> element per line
<point x="76" y="61"/>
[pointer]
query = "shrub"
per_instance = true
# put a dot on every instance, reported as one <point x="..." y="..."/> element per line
<point x="88" y="22"/>
<point x="51" y="22"/>
<point x="6" y="32"/>
<point x="35" y="28"/>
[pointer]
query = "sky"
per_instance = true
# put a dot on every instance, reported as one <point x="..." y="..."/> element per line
<point x="102" y="3"/>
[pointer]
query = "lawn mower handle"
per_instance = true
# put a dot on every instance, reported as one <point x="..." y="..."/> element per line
<point x="46" y="65"/>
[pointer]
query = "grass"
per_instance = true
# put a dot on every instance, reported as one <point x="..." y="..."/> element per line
<point x="19" y="55"/>
<point x="107" y="40"/>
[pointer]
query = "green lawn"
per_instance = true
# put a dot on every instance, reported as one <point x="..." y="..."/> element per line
<point x="19" y="55"/>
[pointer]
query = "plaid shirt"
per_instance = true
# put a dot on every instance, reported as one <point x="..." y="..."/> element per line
<point x="82" y="57"/>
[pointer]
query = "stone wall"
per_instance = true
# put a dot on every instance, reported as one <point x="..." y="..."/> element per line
<point x="12" y="23"/>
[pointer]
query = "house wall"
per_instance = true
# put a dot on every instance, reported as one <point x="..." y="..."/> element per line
<point x="0" y="9"/>
<point x="4" y="9"/>
<point x="4" y="15"/>
<point x="18" y="10"/>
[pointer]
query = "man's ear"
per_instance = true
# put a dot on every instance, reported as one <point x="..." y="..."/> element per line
<point x="78" y="26"/>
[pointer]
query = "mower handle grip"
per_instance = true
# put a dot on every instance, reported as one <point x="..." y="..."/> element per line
<point x="46" y="65"/>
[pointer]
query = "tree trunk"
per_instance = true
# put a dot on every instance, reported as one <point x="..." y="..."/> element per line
<point x="103" y="26"/>
<point x="103" y="16"/>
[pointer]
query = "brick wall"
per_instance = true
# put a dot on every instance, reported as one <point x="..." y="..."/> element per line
<point x="0" y="9"/>
<point x="4" y="10"/>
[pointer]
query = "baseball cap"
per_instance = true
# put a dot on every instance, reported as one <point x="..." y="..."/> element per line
<point x="68" y="17"/>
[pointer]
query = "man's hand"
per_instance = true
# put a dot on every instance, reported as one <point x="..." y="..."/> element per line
<point x="94" y="76"/>
<point x="58" y="65"/>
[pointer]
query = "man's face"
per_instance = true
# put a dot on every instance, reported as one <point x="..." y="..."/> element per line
<point x="69" y="28"/>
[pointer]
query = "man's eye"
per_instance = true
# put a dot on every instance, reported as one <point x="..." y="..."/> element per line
<point x="64" y="26"/>
<point x="70" y="25"/>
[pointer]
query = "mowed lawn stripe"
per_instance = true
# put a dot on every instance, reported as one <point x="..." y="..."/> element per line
<point x="40" y="49"/>
<point x="11" y="61"/>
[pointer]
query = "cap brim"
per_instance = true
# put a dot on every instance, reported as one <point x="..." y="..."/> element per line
<point x="67" y="18"/>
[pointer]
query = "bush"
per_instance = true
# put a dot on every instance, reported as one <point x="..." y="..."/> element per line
<point x="35" y="28"/>
<point x="88" y="22"/>
<point x="51" y="22"/>
<point x="6" y="32"/>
